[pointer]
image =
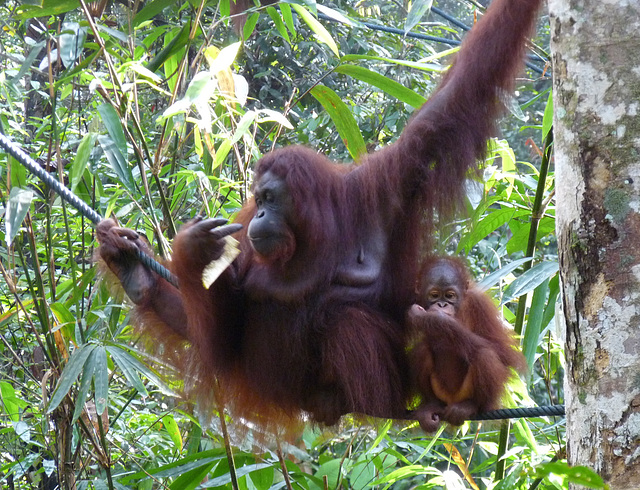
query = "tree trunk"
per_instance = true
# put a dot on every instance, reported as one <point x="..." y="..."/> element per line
<point x="596" y="59"/>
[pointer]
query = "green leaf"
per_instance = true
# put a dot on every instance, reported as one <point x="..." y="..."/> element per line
<point x="496" y="276"/>
<point x="343" y="120"/>
<point x="580" y="475"/>
<point x="175" y="45"/>
<point x="70" y="374"/>
<point x="127" y="365"/>
<point x="490" y="223"/>
<point x="138" y="367"/>
<point x="409" y="471"/>
<point x="554" y="292"/>
<point x="150" y="10"/>
<point x="530" y="280"/>
<point x="85" y="384"/>
<point x="333" y="470"/>
<point x="117" y="161"/>
<point x="519" y="240"/>
<point x="192" y="478"/>
<point x="431" y="67"/>
<point x="17" y="209"/>
<point x="47" y="8"/>
<point x="534" y="323"/>
<point x="547" y="119"/>
<point x="240" y="472"/>
<point x="363" y="473"/>
<point x="10" y="401"/>
<point x="28" y="62"/>
<point x="101" y="380"/>
<point x="384" y="83"/>
<point x="222" y="152"/>
<point x="278" y="22"/>
<point x="418" y="9"/>
<point x="18" y="174"/>
<point x="317" y="28"/>
<point x="285" y="10"/>
<point x="243" y="126"/>
<point x="71" y="42"/>
<point x="250" y="25"/>
<point x="111" y="121"/>
<point x="179" y="467"/>
<point x="263" y="479"/>
<point x="172" y="429"/>
<point x="81" y="159"/>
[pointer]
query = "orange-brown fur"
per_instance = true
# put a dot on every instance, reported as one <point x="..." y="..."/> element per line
<point x="287" y="336"/>
<point x="464" y="360"/>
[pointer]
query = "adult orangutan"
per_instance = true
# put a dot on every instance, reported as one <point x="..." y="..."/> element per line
<point x="310" y="317"/>
<point x="462" y="354"/>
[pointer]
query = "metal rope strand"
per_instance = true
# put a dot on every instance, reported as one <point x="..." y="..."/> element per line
<point x="426" y="37"/>
<point x="76" y="202"/>
<point x="511" y="413"/>
<point x="525" y="412"/>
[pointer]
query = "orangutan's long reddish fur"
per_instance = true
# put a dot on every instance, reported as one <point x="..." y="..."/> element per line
<point x="278" y="338"/>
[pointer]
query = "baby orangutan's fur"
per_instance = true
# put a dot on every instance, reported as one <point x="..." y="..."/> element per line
<point x="463" y="352"/>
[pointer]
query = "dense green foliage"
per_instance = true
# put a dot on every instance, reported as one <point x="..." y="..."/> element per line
<point x="156" y="114"/>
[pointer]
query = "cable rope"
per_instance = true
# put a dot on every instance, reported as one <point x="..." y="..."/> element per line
<point x="76" y="202"/>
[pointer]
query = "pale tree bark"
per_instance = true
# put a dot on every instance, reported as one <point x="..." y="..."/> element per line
<point x="596" y="56"/>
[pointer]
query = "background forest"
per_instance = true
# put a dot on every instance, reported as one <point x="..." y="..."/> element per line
<point x="154" y="112"/>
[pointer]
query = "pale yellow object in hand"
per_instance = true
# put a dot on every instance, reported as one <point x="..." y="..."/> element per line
<point x="213" y="270"/>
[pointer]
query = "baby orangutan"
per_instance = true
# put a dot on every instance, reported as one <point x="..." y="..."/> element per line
<point x="466" y="350"/>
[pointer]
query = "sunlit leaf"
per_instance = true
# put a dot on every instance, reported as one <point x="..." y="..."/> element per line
<point x="579" y="475"/>
<point x="285" y="10"/>
<point x="173" y="430"/>
<point x="430" y="67"/>
<point x="418" y="9"/>
<point x="10" y="401"/>
<point x="221" y="59"/>
<point x="547" y="119"/>
<point x="461" y="464"/>
<point x="317" y="28"/>
<point x="266" y="115"/>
